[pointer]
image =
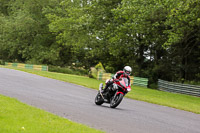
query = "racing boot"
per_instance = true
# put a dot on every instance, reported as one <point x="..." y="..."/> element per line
<point x="107" y="85"/>
<point x="101" y="87"/>
<point x="105" y="88"/>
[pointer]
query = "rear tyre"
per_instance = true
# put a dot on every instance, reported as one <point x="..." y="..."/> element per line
<point x="116" y="100"/>
<point x="98" y="99"/>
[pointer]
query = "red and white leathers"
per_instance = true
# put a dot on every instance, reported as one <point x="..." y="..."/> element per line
<point x="118" y="75"/>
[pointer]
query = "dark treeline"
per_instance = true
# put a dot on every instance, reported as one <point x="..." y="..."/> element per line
<point x="157" y="38"/>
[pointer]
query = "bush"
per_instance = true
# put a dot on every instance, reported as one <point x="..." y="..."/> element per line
<point x="192" y="82"/>
<point x="99" y="67"/>
<point x="93" y="72"/>
<point x="2" y="62"/>
<point x="74" y="71"/>
<point x="153" y="86"/>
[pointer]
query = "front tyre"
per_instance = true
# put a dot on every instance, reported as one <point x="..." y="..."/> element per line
<point x="98" y="99"/>
<point x="116" y="100"/>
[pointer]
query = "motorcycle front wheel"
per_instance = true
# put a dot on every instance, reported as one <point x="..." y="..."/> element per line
<point x="115" y="101"/>
<point x="98" y="99"/>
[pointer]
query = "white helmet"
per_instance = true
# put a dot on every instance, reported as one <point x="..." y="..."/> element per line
<point x="127" y="70"/>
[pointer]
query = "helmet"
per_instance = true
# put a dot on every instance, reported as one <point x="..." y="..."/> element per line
<point x="127" y="70"/>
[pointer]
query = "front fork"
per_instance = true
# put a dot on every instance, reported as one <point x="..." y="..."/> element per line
<point x="117" y="92"/>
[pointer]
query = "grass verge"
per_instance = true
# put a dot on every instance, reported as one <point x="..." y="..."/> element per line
<point x="179" y="101"/>
<point x="17" y="117"/>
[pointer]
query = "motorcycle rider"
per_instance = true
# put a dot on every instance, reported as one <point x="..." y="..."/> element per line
<point x="125" y="73"/>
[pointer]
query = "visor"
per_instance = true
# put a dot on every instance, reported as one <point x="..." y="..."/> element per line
<point x="127" y="72"/>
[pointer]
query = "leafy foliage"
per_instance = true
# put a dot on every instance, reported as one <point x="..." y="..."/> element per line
<point x="158" y="39"/>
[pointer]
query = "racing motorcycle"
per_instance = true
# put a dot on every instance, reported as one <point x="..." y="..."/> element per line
<point x="114" y="93"/>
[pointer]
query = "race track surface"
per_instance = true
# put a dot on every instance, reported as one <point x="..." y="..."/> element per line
<point x="77" y="104"/>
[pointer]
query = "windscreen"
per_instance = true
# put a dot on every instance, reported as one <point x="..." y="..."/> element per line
<point x="125" y="81"/>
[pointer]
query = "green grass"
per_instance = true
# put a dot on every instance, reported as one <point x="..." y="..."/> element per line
<point x="179" y="101"/>
<point x="17" y="117"/>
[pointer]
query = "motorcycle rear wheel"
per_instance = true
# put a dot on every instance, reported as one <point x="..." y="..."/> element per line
<point x="116" y="100"/>
<point x="98" y="99"/>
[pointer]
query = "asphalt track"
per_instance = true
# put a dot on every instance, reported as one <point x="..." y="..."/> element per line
<point x="77" y="104"/>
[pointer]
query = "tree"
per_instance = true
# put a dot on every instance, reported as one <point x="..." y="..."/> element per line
<point x="184" y="37"/>
<point x="26" y="36"/>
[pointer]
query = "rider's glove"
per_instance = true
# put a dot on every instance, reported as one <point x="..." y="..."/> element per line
<point x="116" y="80"/>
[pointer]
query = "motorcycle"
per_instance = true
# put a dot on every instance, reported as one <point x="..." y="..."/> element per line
<point x="114" y="93"/>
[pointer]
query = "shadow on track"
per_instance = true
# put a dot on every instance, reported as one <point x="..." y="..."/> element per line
<point x="108" y="107"/>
